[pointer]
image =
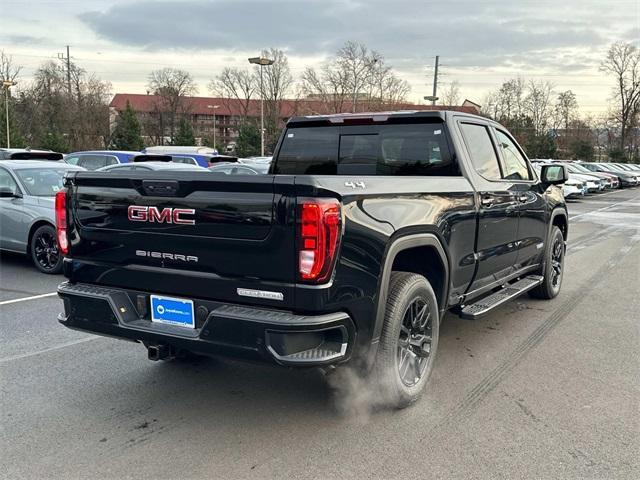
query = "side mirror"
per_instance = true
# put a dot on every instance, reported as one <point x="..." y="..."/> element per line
<point x="7" y="192"/>
<point x="553" y="174"/>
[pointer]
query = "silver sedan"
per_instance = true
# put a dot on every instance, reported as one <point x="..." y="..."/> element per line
<point x="27" y="210"/>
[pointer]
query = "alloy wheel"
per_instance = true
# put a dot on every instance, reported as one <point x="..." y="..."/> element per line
<point x="557" y="257"/>
<point x="415" y="341"/>
<point x="46" y="250"/>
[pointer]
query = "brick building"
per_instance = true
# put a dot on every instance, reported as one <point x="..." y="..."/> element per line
<point x="230" y="113"/>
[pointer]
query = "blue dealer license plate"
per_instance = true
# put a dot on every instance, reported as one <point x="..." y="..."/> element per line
<point x="172" y="311"/>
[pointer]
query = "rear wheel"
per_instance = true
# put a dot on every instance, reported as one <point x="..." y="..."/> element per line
<point x="44" y="250"/>
<point x="408" y="342"/>
<point x="554" y="267"/>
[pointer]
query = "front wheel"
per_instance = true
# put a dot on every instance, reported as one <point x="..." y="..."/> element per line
<point x="44" y="250"/>
<point x="409" y="340"/>
<point x="554" y="267"/>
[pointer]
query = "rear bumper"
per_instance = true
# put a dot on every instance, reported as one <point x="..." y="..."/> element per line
<point x="222" y="329"/>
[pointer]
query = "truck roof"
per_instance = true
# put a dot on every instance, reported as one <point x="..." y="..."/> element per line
<point x="379" y="116"/>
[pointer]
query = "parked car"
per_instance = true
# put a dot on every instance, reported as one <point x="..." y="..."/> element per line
<point x="177" y="149"/>
<point x="29" y="154"/>
<point x="95" y="159"/>
<point x="234" y="169"/>
<point x="605" y="179"/>
<point x="629" y="167"/>
<point x="203" y="156"/>
<point x="572" y="188"/>
<point x="588" y="183"/>
<point x="27" y="213"/>
<point x="626" y="179"/>
<point x="347" y="254"/>
<point x="595" y="182"/>
<point x="612" y="180"/>
<point x="261" y="164"/>
<point x="151" y="165"/>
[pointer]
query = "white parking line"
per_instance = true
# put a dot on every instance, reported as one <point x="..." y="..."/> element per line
<point x="35" y="297"/>
<point x="57" y="347"/>
<point x="603" y="208"/>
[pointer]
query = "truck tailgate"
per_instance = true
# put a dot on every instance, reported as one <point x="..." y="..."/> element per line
<point x="216" y="233"/>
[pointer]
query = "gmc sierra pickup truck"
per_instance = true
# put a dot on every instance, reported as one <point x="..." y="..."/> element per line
<point x="367" y="229"/>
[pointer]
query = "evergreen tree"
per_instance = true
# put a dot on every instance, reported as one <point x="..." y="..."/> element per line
<point x="248" y="142"/>
<point x="55" y="141"/>
<point x="127" y="134"/>
<point x="184" y="136"/>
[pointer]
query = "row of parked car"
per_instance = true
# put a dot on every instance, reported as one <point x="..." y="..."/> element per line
<point x="150" y="158"/>
<point x="592" y="177"/>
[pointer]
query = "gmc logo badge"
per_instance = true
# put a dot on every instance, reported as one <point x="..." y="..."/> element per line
<point x="138" y="213"/>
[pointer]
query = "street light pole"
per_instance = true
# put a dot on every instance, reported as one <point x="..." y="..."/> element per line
<point x="214" y="108"/>
<point x="261" y="114"/>
<point x="263" y="62"/>
<point x="7" y="84"/>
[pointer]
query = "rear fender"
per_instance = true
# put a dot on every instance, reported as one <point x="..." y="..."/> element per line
<point x="404" y="243"/>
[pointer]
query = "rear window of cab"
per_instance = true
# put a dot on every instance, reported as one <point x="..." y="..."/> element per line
<point x="419" y="149"/>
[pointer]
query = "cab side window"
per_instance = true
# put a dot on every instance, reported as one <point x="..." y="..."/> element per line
<point x="515" y="164"/>
<point x="481" y="151"/>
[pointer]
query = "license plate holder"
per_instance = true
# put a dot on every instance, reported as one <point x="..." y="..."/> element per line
<point x="172" y="311"/>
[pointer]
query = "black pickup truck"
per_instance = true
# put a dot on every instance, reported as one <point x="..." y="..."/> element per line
<point x="367" y="229"/>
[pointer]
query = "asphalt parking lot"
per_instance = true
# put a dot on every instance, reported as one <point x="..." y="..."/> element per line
<point x="534" y="390"/>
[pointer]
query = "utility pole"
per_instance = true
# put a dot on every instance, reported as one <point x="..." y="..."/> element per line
<point x="435" y="81"/>
<point x="67" y="59"/>
<point x="69" y="70"/>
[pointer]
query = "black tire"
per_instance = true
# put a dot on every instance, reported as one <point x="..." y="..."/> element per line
<point x="43" y="248"/>
<point x="405" y="345"/>
<point x="554" y="267"/>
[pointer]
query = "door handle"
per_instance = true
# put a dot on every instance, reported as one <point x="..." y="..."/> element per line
<point x="486" y="201"/>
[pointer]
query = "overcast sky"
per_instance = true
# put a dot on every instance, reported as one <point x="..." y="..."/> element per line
<point x="480" y="42"/>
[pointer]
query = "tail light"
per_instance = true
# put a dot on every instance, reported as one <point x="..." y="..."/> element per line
<point x="61" y="221"/>
<point x="320" y="228"/>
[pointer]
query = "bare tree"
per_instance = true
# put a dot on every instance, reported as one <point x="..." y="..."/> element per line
<point x="623" y="63"/>
<point x="355" y="76"/>
<point x="450" y="95"/>
<point x="566" y="109"/>
<point x="511" y="99"/>
<point x="329" y="85"/>
<point x="171" y="86"/>
<point x="50" y="117"/>
<point x="235" y="84"/>
<point x="9" y="71"/>
<point x="537" y="104"/>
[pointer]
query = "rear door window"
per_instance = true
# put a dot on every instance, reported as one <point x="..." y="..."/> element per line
<point x="515" y="165"/>
<point x="480" y="148"/>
